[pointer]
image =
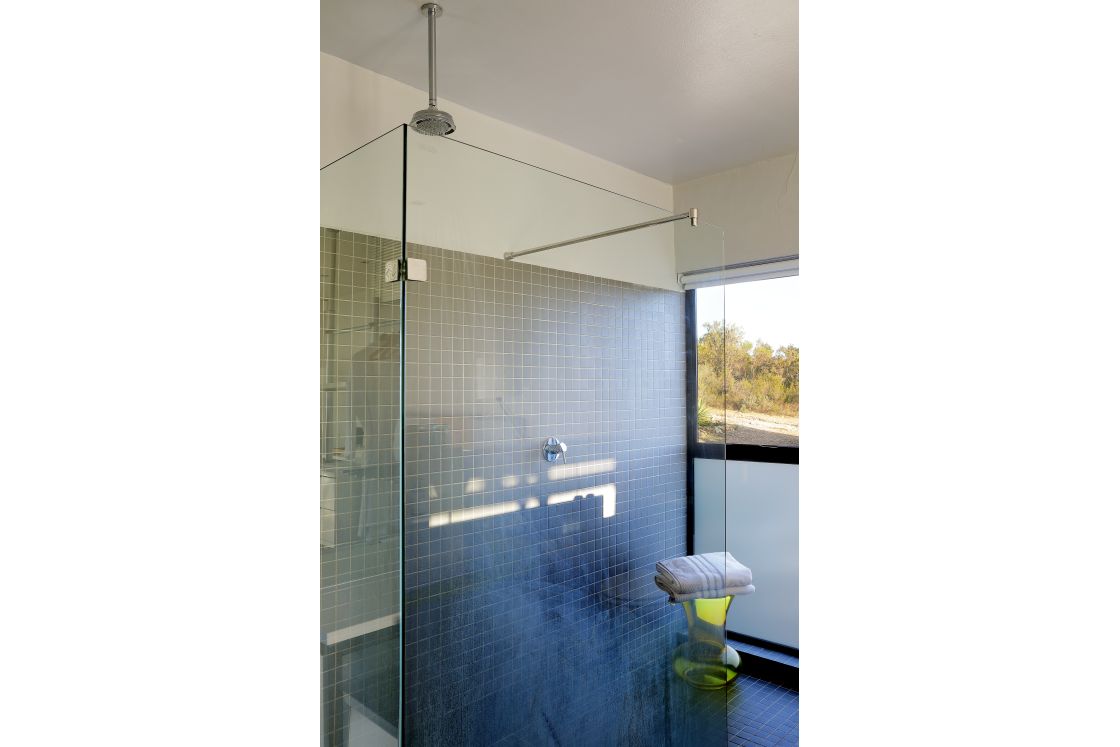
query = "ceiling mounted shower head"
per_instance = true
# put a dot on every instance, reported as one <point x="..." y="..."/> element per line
<point x="432" y="121"/>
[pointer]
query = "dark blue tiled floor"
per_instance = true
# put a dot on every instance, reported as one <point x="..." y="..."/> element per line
<point x="767" y="653"/>
<point x="761" y="713"/>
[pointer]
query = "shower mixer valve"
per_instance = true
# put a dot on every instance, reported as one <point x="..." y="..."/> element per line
<point x="554" y="448"/>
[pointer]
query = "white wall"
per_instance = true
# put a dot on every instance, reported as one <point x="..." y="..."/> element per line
<point x="357" y="105"/>
<point x="756" y="205"/>
<point x="465" y="199"/>
<point x="758" y="522"/>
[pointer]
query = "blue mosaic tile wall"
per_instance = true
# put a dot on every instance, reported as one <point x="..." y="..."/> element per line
<point x="530" y="613"/>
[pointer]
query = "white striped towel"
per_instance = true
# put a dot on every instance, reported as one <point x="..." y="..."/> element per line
<point x="708" y="576"/>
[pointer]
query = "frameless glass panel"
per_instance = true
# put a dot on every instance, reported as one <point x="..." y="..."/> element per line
<point x="360" y="338"/>
<point x="748" y="359"/>
<point x="531" y="613"/>
<point x="469" y="200"/>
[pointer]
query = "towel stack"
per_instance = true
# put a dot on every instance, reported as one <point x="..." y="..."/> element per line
<point x="708" y="576"/>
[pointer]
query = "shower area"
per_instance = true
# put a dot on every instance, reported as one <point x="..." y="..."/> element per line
<point x="503" y="455"/>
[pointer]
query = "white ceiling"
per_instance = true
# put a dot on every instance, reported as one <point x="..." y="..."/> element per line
<point x="674" y="89"/>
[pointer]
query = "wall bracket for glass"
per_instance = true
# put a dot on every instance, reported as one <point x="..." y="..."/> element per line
<point x="692" y="215"/>
<point x="414" y="269"/>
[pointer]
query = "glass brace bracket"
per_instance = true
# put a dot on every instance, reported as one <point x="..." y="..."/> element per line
<point x="413" y="269"/>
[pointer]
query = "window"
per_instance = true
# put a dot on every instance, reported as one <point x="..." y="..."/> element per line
<point x="744" y="369"/>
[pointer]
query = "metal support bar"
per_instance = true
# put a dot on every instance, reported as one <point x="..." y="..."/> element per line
<point x="432" y="11"/>
<point x="692" y="215"/>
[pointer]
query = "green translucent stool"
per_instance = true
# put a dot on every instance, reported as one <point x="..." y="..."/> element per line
<point x="705" y="660"/>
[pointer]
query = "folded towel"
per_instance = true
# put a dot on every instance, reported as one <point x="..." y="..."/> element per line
<point x="708" y="576"/>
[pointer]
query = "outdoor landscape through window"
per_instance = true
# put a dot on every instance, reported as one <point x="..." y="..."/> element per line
<point x="748" y="362"/>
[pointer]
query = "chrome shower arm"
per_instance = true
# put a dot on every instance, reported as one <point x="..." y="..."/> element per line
<point x="433" y="11"/>
<point x="432" y="121"/>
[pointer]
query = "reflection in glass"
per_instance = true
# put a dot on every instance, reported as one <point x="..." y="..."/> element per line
<point x="360" y="325"/>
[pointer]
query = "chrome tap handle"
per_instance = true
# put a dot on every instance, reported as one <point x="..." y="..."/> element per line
<point x="554" y="448"/>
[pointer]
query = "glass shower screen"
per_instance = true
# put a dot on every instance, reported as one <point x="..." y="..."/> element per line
<point x="530" y="612"/>
<point x="503" y="456"/>
<point x="361" y="214"/>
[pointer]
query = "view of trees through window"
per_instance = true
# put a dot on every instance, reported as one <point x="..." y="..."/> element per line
<point x="747" y="361"/>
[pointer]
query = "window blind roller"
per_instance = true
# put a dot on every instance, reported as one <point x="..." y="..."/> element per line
<point x="740" y="272"/>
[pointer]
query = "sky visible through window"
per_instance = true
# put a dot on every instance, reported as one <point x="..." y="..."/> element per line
<point x="765" y="309"/>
